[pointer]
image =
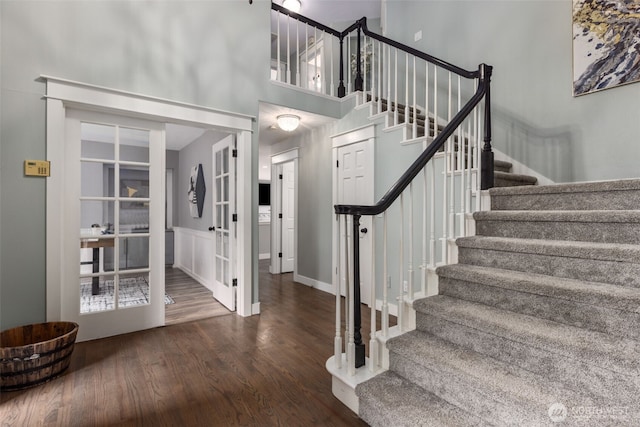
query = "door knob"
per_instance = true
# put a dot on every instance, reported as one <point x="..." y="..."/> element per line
<point x="363" y="230"/>
<point x="212" y="228"/>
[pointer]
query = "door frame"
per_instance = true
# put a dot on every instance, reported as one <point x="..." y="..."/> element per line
<point x="62" y="94"/>
<point x="276" y="200"/>
<point x="363" y="134"/>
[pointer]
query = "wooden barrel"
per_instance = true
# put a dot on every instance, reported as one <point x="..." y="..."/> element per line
<point x="33" y="354"/>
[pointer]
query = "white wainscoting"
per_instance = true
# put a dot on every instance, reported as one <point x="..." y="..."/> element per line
<point x="194" y="254"/>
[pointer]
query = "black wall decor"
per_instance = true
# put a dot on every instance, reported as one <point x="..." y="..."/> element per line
<point x="197" y="190"/>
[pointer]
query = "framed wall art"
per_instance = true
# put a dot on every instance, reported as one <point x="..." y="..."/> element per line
<point x="606" y="44"/>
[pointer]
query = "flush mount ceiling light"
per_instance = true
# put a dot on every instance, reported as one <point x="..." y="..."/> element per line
<point x="288" y="122"/>
<point x="292" y="5"/>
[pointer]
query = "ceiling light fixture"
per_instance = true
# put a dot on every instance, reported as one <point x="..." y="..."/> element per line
<point x="292" y="5"/>
<point x="288" y="122"/>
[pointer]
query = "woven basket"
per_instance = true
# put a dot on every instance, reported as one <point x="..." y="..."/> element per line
<point x="33" y="354"/>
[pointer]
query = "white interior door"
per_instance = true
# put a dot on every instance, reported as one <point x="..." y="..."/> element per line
<point x="288" y="216"/>
<point x="224" y="176"/>
<point x="114" y="171"/>
<point x="355" y="186"/>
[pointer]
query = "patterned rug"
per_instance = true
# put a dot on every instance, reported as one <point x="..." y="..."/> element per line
<point x="132" y="291"/>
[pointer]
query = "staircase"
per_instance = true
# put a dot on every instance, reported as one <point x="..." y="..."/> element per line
<point x="538" y="323"/>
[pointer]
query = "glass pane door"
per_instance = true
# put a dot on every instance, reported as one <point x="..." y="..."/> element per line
<point x="114" y="217"/>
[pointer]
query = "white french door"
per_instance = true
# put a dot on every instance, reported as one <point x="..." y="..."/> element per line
<point x="113" y="222"/>
<point x="224" y="229"/>
<point x="355" y="186"/>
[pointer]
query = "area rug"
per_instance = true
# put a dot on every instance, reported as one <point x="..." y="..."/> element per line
<point x="131" y="291"/>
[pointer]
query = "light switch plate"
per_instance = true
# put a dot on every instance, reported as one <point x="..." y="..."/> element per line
<point x="37" y="167"/>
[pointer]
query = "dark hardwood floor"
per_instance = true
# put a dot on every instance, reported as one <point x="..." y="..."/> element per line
<point x="192" y="300"/>
<point x="265" y="370"/>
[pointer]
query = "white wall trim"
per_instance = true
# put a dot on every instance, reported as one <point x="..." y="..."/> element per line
<point x="114" y="99"/>
<point x="266" y="255"/>
<point x="352" y="136"/>
<point x="255" y="308"/>
<point x="188" y="258"/>
<point x="522" y="169"/>
<point x="285" y="156"/>
<point x="313" y="283"/>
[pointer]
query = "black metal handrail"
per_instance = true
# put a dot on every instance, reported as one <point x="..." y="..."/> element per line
<point x="483" y="74"/>
<point x="403" y="182"/>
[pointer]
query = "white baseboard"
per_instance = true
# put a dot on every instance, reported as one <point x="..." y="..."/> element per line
<point x="316" y="284"/>
<point x="255" y="308"/>
<point x="265" y="256"/>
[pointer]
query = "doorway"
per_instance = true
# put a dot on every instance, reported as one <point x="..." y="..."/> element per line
<point x="284" y="198"/>
<point x="353" y="180"/>
<point x="62" y="239"/>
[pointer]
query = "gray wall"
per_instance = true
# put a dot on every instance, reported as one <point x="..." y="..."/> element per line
<point x="536" y="119"/>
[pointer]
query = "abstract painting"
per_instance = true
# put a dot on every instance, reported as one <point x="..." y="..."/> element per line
<point x="196" y="191"/>
<point x="606" y="44"/>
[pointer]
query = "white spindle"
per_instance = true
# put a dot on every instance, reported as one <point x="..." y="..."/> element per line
<point x="395" y="89"/>
<point x="349" y="71"/>
<point x="414" y="131"/>
<point x="372" y="64"/>
<point x="337" y="341"/>
<point x="305" y="78"/>
<point x="380" y="81"/>
<point x="452" y="213"/>
<point x="461" y="166"/>
<point x="333" y="72"/>
<point x="351" y="347"/>
<point x="388" y="79"/>
<point x="373" y="342"/>
<point x="288" y="50"/>
<point x="298" y="53"/>
<point x="384" y="316"/>
<point x="315" y="59"/>
<point x="406" y="88"/>
<point x="410" y="267"/>
<point x="278" y="70"/>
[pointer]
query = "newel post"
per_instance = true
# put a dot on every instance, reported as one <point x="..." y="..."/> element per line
<point x="486" y="172"/>
<point x="357" y="317"/>
<point x="341" y="89"/>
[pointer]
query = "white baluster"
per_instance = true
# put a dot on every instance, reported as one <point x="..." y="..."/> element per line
<point x="351" y="347"/>
<point x="414" y="131"/>
<point x="389" y="79"/>
<point x="461" y="166"/>
<point x="373" y="342"/>
<point x="452" y="157"/>
<point x="288" y="50"/>
<point x="410" y="267"/>
<point x="333" y="72"/>
<point x="364" y="65"/>
<point x="395" y="90"/>
<point x="298" y="54"/>
<point x="384" y="316"/>
<point x="406" y="88"/>
<point x="337" y="341"/>
<point x="372" y="64"/>
<point x="278" y="70"/>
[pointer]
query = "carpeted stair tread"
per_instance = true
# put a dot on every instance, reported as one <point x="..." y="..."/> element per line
<point x="599" y="307"/>
<point x="593" y="348"/>
<point x="391" y="400"/>
<point x="561" y="248"/>
<point x="593" y="293"/>
<point x="508" y="179"/>
<point x="502" y="166"/>
<point x="611" y="263"/>
<point x="571" y="188"/>
<point x="621" y="226"/>
<point x="479" y="383"/>
<point x="610" y="195"/>
<point x="591" y="216"/>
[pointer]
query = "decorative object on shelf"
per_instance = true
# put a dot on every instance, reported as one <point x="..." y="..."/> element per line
<point x="288" y="122"/>
<point x="606" y="34"/>
<point x="197" y="190"/>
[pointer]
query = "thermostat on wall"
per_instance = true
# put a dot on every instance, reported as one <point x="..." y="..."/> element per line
<point x="36" y="167"/>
